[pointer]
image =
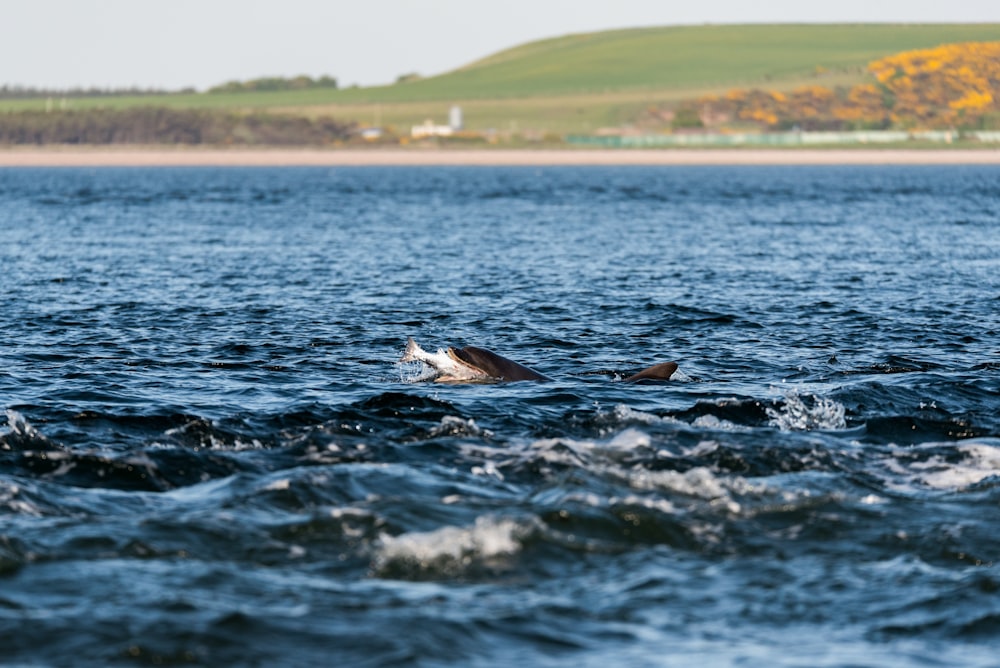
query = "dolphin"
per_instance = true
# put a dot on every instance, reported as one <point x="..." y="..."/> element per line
<point x="472" y="364"/>
<point x="469" y="364"/>
<point x="656" y="372"/>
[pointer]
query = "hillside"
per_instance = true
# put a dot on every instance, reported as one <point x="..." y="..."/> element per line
<point x="580" y="82"/>
<point x="684" y="57"/>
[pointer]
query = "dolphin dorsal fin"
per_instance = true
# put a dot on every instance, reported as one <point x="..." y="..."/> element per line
<point x="656" y="372"/>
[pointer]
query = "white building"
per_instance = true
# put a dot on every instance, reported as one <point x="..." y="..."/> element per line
<point x="428" y="129"/>
<point x="455" y="118"/>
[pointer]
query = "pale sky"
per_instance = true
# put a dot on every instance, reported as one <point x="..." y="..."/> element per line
<point x="200" y="43"/>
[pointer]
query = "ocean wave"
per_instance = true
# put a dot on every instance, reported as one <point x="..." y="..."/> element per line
<point x="21" y="435"/>
<point x="946" y="467"/>
<point x="807" y="413"/>
<point x="485" y="548"/>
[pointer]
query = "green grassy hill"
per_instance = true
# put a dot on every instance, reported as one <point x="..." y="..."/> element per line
<point x="578" y="82"/>
<point x="684" y="57"/>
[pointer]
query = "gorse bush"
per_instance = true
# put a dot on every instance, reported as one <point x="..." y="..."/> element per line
<point x="956" y="85"/>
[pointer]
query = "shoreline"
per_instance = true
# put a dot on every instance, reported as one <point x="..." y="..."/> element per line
<point x="198" y="157"/>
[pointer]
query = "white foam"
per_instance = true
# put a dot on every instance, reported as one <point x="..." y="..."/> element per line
<point x="669" y="492"/>
<point x="981" y="461"/>
<point x="630" y="439"/>
<point x="452" y="550"/>
<point x="212" y="442"/>
<point x="488" y="469"/>
<point x="279" y="485"/>
<point x="698" y="482"/>
<point x="451" y="425"/>
<point x="715" y="424"/>
<point x="583" y="452"/>
<point x="17" y="424"/>
<point x="655" y="504"/>
<point x="624" y="413"/>
<point x="559" y="451"/>
<point x="354" y="522"/>
<point x="797" y="415"/>
<point x="702" y="449"/>
<point x="11" y="499"/>
<point x="679" y="376"/>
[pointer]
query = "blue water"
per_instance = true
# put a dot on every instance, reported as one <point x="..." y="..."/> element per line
<point x="211" y="455"/>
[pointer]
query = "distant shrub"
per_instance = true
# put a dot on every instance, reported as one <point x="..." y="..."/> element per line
<point x="8" y="92"/>
<point x="686" y="118"/>
<point x="301" y="82"/>
<point x="158" y="125"/>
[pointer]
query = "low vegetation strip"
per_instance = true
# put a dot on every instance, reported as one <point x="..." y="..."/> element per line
<point x="265" y="84"/>
<point x="151" y="125"/>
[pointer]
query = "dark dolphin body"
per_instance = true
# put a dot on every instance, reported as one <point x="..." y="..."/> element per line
<point x="656" y="372"/>
<point x="475" y="365"/>
<point x="502" y="368"/>
<point x="496" y="366"/>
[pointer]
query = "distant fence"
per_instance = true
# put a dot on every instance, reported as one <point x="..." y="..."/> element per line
<point x="985" y="135"/>
<point x="778" y="138"/>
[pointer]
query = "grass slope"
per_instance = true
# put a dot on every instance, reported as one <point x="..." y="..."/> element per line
<point x="578" y="82"/>
<point x="687" y="56"/>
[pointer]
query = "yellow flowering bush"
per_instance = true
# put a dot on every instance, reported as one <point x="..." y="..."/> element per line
<point x="949" y="85"/>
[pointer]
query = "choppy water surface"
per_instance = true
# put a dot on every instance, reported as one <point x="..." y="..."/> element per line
<point x="210" y="454"/>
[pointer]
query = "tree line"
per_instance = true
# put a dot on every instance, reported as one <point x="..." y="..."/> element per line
<point x="155" y="125"/>
<point x="302" y="82"/>
<point x="9" y="92"/>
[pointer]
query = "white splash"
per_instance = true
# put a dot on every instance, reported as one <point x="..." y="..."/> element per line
<point x="280" y="485"/>
<point x="12" y="499"/>
<point x="628" y="440"/>
<point x="585" y="453"/>
<point x="713" y="423"/>
<point x="697" y="482"/>
<point x="488" y="469"/>
<point x="981" y="460"/>
<point x="680" y="377"/>
<point x="798" y="415"/>
<point x="415" y="372"/>
<point x="625" y="413"/>
<point x="444" y="365"/>
<point x="452" y="425"/>
<point x="17" y="424"/>
<point x="452" y="550"/>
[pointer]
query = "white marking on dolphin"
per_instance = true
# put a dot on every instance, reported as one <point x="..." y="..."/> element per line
<point x="469" y="364"/>
<point x="448" y="367"/>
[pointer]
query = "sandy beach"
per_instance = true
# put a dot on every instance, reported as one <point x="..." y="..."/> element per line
<point x="170" y="157"/>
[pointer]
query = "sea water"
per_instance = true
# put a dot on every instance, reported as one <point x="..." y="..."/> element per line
<point x="211" y="455"/>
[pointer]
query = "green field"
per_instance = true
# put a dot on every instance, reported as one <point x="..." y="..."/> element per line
<point x="580" y="82"/>
<point x="686" y="57"/>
